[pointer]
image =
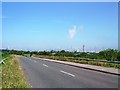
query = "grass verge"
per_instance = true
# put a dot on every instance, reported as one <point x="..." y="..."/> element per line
<point x="0" y="77"/>
<point x="104" y="64"/>
<point x="12" y="75"/>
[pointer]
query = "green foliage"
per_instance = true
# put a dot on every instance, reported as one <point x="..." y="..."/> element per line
<point x="118" y="56"/>
<point x="44" y="53"/>
<point x="83" y="55"/>
<point x="105" y="64"/>
<point x="64" y="53"/>
<point x="4" y="55"/>
<point x="108" y="54"/>
<point x="0" y="55"/>
<point x="12" y="75"/>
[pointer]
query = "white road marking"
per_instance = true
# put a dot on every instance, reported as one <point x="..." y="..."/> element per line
<point x="45" y="65"/>
<point x="67" y="73"/>
<point x="35" y="61"/>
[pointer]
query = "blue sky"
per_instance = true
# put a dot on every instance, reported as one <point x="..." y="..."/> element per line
<point x="46" y="26"/>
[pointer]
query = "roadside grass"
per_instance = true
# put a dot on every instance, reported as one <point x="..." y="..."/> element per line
<point x="104" y="64"/>
<point x="12" y="75"/>
<point x="0" y="56"/>
<point x="0" y="71"/>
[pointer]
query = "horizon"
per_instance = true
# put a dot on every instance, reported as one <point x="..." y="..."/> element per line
<point x="60" y="26"/>
<point x="55" y="50"/>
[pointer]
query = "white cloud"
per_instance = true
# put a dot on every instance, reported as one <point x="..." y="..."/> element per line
<point x="72" y="32"/>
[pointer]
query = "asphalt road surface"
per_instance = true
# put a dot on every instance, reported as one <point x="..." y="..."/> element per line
<point x="46" y="74"/>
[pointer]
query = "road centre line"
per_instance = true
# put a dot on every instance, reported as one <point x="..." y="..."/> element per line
<point x="45" y="65"/>
<point x="67" y="73"/>
<point x="35" y="61"/>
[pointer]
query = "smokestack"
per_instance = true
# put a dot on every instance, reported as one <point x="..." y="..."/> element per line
<point x="83" y="48"/>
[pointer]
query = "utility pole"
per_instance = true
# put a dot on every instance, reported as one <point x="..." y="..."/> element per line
<point x="83" y="48"/>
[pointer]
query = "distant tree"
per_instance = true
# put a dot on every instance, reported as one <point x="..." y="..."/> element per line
<point x="52" y="51"/>
<point x="93" y="55"/>
<point x="118" y="56"/>
<point x="109" y="54"/>
<point x="62" y="51"/>
<point x="83" y="55"/>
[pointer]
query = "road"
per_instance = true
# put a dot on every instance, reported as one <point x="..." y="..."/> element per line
<point x="45" y="74"/>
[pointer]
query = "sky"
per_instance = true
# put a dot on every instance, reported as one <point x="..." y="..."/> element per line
<point x="58" y="26"/>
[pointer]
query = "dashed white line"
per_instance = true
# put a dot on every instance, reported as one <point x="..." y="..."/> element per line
<point x="67" y="73"/>
<point x="45" y="65"/>
<point x="35" y="61"/>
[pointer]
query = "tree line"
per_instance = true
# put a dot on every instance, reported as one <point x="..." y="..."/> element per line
<point x="108" y="54"/>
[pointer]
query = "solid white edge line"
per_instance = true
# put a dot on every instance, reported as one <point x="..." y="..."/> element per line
<point x="67" y="73"/>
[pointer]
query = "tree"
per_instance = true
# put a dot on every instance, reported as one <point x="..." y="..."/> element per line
<point x="83" y="55"/>
<point x="109" y="54"/>
<point x="118" y="56"/>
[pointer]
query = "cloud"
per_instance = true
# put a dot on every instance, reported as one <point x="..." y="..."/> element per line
<point x="72" y="32"/>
